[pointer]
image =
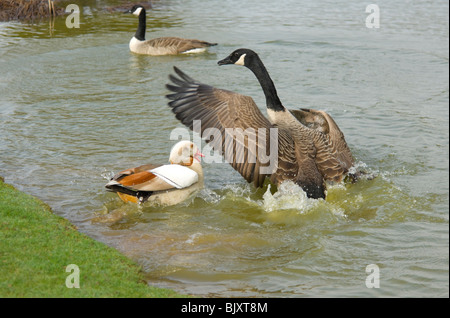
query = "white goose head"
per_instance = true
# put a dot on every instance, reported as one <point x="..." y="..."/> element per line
<point x="185" y="153"/>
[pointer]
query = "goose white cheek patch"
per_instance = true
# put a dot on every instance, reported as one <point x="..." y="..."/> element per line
<point x="241" y="60"/>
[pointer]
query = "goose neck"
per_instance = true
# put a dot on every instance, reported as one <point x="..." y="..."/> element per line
<point x="140" y="33"/>
<point x="272" y="100"/>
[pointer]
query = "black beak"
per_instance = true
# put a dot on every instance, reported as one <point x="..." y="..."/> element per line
<point x="225" y="61"/>
<point x="128" y="11"/>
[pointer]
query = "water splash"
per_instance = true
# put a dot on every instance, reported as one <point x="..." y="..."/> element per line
<point x="209" y="196"/>
<point x="107" y="174"/>
<point x="193" y="237"/>
<point x="243" y="190"/>
<point x="289" y="196"/>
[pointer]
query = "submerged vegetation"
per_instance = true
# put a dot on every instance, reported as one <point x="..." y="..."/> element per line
<point x="38" y="247"/>
<point x="28" y="9"/>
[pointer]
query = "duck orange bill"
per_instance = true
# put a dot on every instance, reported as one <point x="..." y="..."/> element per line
<point x="198" y="155"/>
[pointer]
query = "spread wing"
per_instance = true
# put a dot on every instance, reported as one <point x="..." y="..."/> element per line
<point x="240" y="132"/>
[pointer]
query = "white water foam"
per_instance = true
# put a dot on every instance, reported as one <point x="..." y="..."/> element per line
<point x="289" y="196"/>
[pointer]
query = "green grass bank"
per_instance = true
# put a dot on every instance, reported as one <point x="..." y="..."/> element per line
<point x="36" y="246"/>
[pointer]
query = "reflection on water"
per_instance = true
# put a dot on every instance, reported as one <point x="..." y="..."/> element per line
<point x="76" y="106"/>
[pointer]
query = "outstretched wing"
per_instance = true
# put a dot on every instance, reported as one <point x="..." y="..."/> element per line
<point x="241" y="132"/>
<point x="238" y="129"/>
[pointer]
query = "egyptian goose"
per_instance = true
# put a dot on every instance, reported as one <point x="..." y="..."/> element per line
<point x="167" y="184"/>
<point x="311" y="149"/>
<point x="163" y="45"/>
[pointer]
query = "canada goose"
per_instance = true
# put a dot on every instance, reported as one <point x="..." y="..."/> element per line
<point x="328" y="138"/>
<point x="164" y="184"/>
<point x="311" y="148"/>
<point x="163" y="45"/>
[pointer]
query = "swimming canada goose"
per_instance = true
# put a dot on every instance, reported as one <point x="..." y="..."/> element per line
<point x="163" y="45"/>
<point x="311" y="148"/>
<point x="163" y="184"/>
<point x="328" y="138"/>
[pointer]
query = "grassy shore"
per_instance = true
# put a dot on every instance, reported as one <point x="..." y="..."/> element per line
<point x="36" y="246"/>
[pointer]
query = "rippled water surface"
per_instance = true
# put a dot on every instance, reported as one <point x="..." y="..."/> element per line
<point x="77" y="106"/>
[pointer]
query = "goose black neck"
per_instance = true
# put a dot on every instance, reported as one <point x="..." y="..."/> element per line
<point x="140" y="33"/>
<point x="260" y="71"/>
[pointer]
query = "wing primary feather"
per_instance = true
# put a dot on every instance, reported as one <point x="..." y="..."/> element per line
<point x="222" y="110"/>
<point x="183" y="75"/>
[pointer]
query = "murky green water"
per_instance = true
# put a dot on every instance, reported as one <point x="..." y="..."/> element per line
<point x="76" y="106"/>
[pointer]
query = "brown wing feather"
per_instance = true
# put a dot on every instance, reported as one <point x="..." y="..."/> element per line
<point x="334" y="157"/>
<point x="225" y="110"/>
<point x="311" y="119"/>
<point x="339" y="144"/>
<point x="137" y="182"/>
<point x="178" y="45"/>
<point x="131" y="171"/>
<point x="297" y="163"/>
<point x="136" y="179"/>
